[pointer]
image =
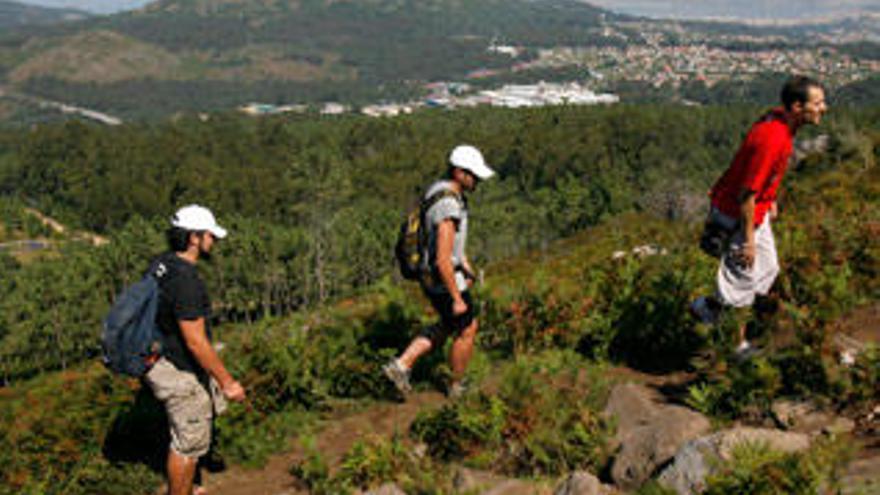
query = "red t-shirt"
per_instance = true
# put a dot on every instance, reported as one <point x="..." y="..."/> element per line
<point x="758" y="166"/>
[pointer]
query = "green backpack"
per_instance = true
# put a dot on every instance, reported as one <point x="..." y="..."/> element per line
<point x="411" y="249"/>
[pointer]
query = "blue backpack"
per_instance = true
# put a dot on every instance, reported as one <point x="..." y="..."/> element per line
<point x="130" y="336"/>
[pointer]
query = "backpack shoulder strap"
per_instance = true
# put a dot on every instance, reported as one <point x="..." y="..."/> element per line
<point x="435" y="198"/>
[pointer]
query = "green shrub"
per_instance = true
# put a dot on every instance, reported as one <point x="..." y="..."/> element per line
<point x="313" y="469"/>
<point x="759" y="470"/>
<point x="542" y="418"/>
<point x="531" y="318"/>
<point x="248" y="436"/>
<point x="653" y="330"/>
<point x="748" y="385"/>
<point x="56" y="436"/>
<point x="370" y="463"/>
<point x="652" y="487"/>
<point x="858" y="385"/>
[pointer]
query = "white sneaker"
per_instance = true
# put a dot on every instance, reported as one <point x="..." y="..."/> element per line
<point x="457" y="390"/>
<point x="745" y="350"/>
<point x="398" y="375"/>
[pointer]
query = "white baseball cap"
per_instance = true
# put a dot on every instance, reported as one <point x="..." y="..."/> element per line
<point x="467" y="157"/>
<point x="198" y="218"/>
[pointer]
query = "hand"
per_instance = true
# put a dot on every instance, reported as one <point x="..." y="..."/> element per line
<point x="459" y="307"/>
<point x="747" y="254"/>
<point x="469" y="277"/>
<point x="234" y="391"/>
<point x="774" y="210"/>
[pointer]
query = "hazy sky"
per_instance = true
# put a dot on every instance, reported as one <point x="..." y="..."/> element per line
<point x="97" y="6"/>
<point x="747" y="9"/>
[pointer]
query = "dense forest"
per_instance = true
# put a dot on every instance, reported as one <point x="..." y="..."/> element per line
<point x="315" y="203"/>
<point x="313" y="206"/>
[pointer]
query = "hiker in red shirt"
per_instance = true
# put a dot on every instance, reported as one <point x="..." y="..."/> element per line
<point x="744" y="203"/>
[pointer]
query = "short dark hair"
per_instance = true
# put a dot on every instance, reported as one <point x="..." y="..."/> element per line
<point x="796" y="90"/>
<point x="178" y="238"/>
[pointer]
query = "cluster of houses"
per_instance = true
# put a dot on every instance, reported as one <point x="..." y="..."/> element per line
<point x="454" y="95"/>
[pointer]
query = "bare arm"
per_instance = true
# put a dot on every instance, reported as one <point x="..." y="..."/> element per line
<point x="198" y="344"/>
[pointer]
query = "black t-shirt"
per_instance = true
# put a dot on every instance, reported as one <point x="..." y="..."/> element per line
<point x="182" y="296"/>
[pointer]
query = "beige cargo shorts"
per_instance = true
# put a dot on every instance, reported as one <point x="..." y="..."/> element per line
<point x="188" y="405"/>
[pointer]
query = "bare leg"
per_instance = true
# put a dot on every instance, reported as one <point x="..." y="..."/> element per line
<point x="417" y="348"/>
<point x="181" y="471"/>
<point x="742" y="333"/>
<point x="462" y="349"/>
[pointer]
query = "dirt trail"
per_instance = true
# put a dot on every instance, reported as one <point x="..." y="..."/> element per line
<point x="334" y="439"/>
<point x="59" y="228"/>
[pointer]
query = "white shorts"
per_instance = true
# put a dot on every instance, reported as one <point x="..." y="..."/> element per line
<point x="738" y="285"/>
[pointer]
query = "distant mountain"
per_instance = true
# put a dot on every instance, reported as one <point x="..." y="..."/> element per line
<point x="208" y="54"/>
<point x="14" y="14"/>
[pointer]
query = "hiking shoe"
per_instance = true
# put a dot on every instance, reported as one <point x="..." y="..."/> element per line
<point x="398" y="375"/>
<point x="702" y="311"/>
<point x="457" y="390"/>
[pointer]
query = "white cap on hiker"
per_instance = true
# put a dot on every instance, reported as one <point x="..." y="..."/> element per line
<point x="197" y="218"/>
<point x="468" y="158"/>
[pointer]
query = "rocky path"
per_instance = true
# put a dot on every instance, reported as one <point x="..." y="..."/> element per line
<point x="335" y="438"/>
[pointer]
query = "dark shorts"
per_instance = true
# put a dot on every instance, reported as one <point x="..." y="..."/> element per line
<point x="449" y="324"/>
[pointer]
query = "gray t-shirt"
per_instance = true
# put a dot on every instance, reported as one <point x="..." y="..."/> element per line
<point x="444" y="209"/>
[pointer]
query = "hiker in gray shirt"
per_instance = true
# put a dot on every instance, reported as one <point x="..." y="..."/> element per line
<point x="449" y="274"/>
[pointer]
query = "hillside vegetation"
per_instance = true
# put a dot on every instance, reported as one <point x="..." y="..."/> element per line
<point x="311" y="308"/>
<point x="203" y="55"/>
<point x="17" y="15"/>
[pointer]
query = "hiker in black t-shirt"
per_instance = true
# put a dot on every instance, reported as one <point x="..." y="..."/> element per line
<point x="189" y="379"/>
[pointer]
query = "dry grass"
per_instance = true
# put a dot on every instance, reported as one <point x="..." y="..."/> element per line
<point x="98" y="56"/>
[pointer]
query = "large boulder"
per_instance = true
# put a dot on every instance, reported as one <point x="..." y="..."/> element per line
<point x="687" y="472"/>
<point x="649" y="432"/>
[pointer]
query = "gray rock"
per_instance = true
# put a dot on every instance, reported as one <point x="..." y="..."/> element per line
<point x="466" y="480"/>
<point x="840" y="426"/>
<point x="782" y="441"/>
<point x="803" y="417"/>
<point x="649" y="432"/>
<point x="632" y="406"/>
<point x="386" y="489"/>
<point x="580" y="483"/>
<point x="513" y="487"/>
<point x="472" y="480"/>
<point x="693" y="462"/>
